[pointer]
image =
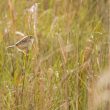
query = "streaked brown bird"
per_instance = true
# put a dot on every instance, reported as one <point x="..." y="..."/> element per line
<point x="24" y="45"/>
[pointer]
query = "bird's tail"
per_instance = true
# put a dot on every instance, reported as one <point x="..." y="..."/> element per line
<point x="11" y="46"/>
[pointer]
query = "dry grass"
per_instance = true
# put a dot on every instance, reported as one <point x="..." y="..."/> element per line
<point x="101" y="92"/>
<point x="70" y="50"/>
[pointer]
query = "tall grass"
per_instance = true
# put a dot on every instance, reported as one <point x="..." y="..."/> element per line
<point x="70" y="51"/>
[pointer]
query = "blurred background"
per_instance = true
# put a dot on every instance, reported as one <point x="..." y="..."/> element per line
<point x="70" y="51"/>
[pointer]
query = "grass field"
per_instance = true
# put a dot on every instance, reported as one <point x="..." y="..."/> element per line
<point x="70" y="51"/>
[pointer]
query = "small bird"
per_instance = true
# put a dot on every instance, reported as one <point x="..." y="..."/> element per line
<point x="24" y="45"/>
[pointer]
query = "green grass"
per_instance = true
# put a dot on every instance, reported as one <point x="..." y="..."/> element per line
<point x="56" y="75"/>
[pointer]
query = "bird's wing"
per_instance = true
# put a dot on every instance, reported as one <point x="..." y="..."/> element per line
<point x="23" y="40"/>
